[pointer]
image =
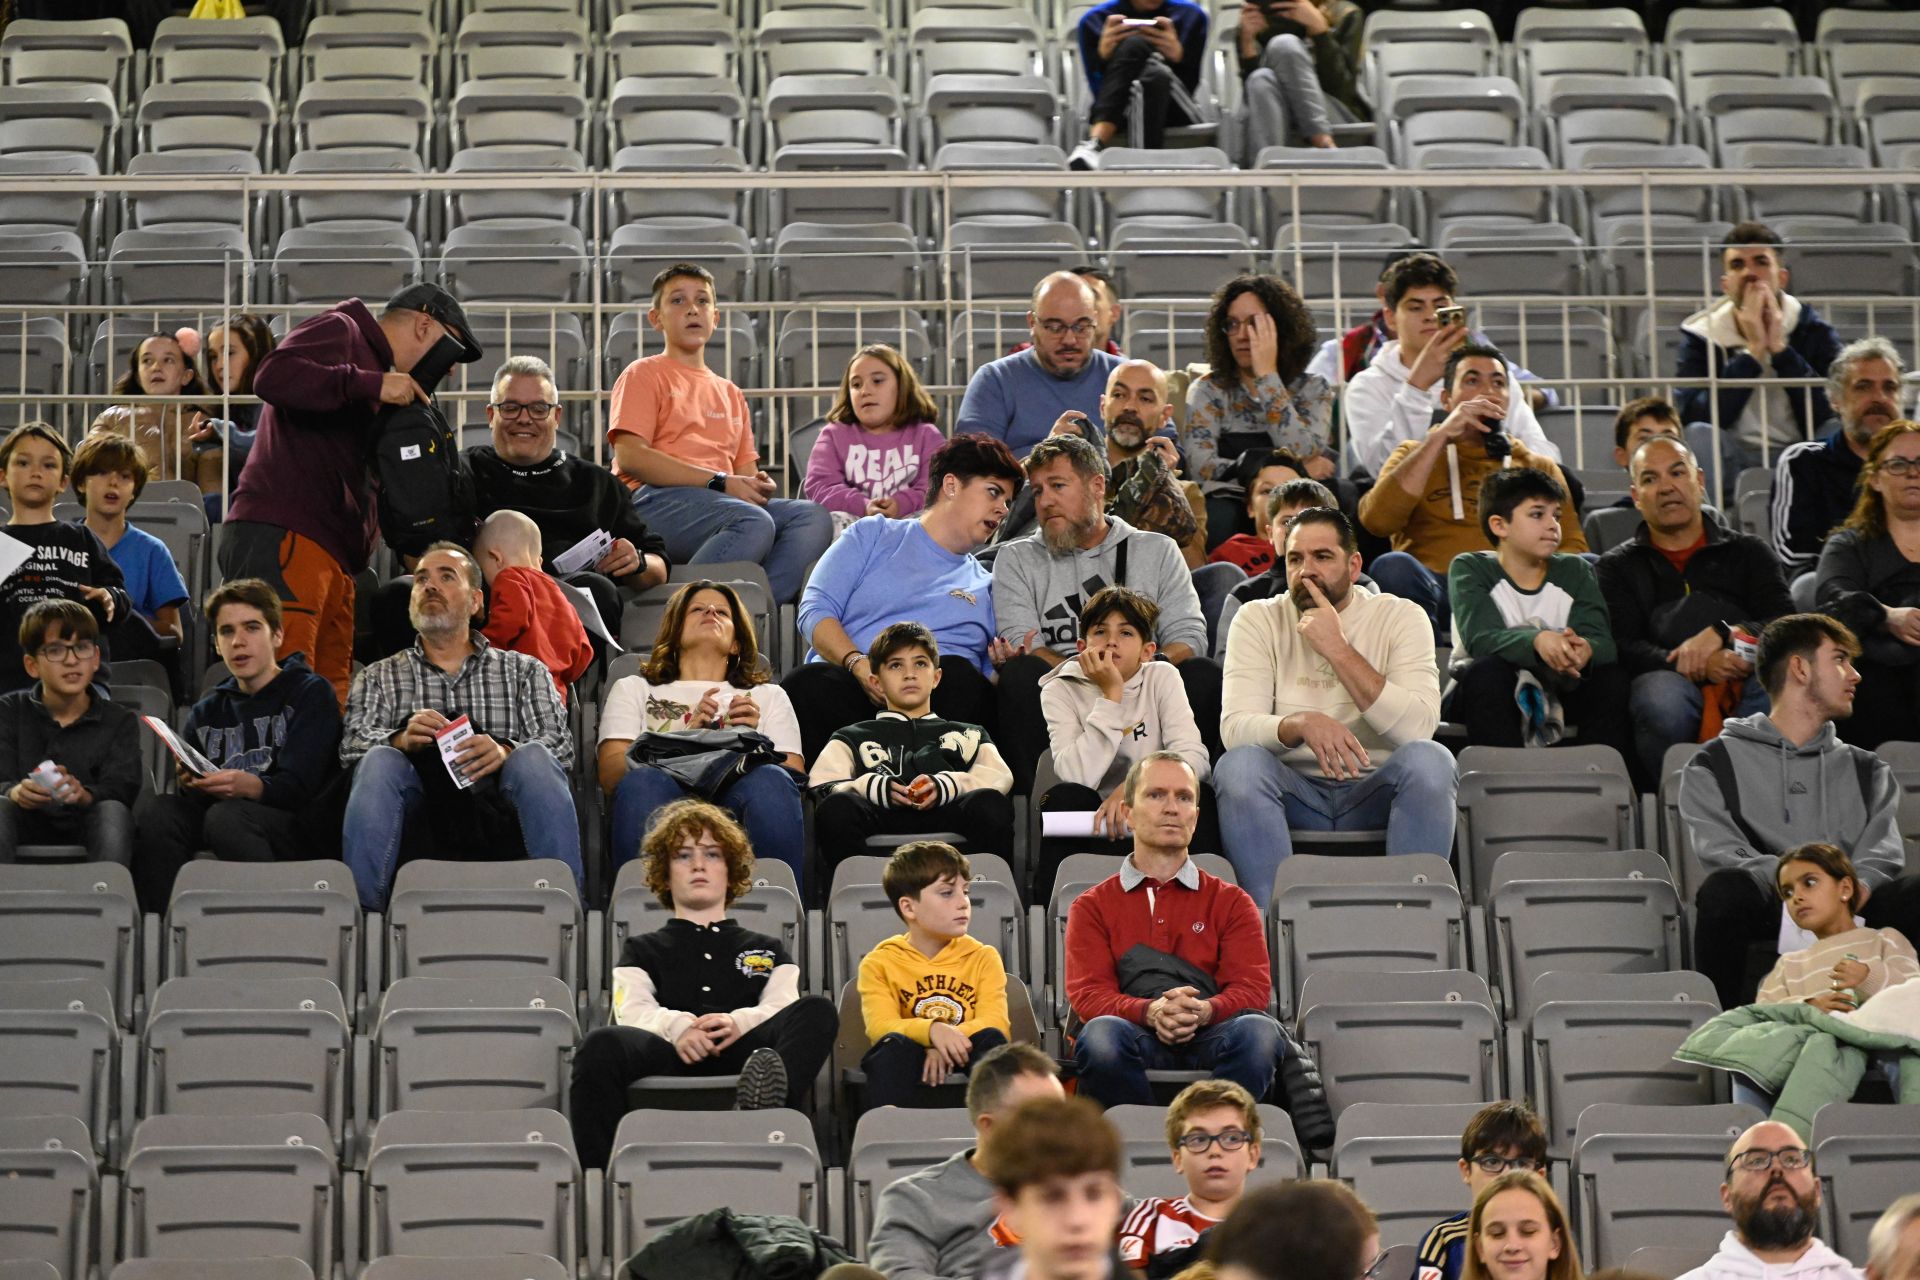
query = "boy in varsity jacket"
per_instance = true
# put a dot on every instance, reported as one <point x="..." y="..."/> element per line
<point x="700" y="996"/>
<point x="908" y="770"/>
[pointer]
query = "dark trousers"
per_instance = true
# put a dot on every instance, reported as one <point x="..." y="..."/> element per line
<point x="1482" y="700"/>
<point x="1023" y="725"/>
<point x="611" y="1058"/>
<point x="843" y="820"/>
<point x="1886" y="707"/>
<point x="893" y="1068"/>
<point x="827" y="698"/>
<point x="1737" y="927"/>
<point x="1071" y="797"/>
<point x="172" y="828"/>
<point x="1136" y="61"/>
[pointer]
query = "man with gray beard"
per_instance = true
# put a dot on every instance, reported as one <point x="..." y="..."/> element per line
<point x="1773" y="1197"/>
<point x="1041" y="582"/>
<point x="457" y="744"/>
<point x="1814" y="481"/>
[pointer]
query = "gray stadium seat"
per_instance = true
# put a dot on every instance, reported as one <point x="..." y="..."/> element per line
<point x="60" y="1056"/>
<point x="1322" y="259"/>
<point x="162" y="208"/>
<point x="228" y="115"/>
<point x="53" y="1194"/>
<point x="994" y="258"/>
<point x="1371" y="915"/>
<point x="515" y="260"/>
<point x="1403" y="1037"/>
<point x="1761" y="108"/>
<point x="704" y="110"/>
<point x="1851" y="258"/>
<point x="1009" y="197"/>
<point x="184" y="51"/>
<point x="819" y="42"/>
<point x="1517" y="200"/>
<point x="1867" y="1156"/>
<point x="390" y="46"/>
<point x="1567" y="799"/>
<point x="73" y="920"/>
<point x="507" y="203"/>
<point x="1516" y="257"/>
<point x="402" y="208"/>
<point x="821" y="262"/>
<point x="1403" y="1160"/>
<point x="520" y="111"/>
<point x="1177" y="260"/>
<point x="1155" y="201"/>
<point x="954" y="40"/>
<point x="888" y="1144"/>
<point x="1146" y="1166"/>
<point x="687" y="44"/>
<point x="42" y="266"/>
<point x="517" y="919"/>
<point x="1589" y="912"/>
<point x="1327" y="205"/>
<point x="211" y="1269"/>
<point x="362" y="112"/>
<point x="1650" y="1176"/>
<point x="664" y="200"/>
<point x="518" y="1266"/>
<point x="669" y="1165"/>
<point x="42" y="51"/>
<point x="506" y="45"/>
<point x="432" y="1032"/>
<point x="178" y="267"/>
<point x="1610" y="1038"/>
<point x="1427" y="111"/>
<point x="60" y="119"/>
<point x="265" y="920"/>
<point x="1018" y="110"/>
<point x="639" y="251"/>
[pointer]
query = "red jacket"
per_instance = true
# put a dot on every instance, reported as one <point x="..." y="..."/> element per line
<point x="530" y="614"/>
<point x="1214" y="927"/>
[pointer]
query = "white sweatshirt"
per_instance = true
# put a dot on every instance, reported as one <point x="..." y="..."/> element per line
<point x="1096" y="741"/>
<point x="1384" y="410"/>
<point x="1736" y="1262"/>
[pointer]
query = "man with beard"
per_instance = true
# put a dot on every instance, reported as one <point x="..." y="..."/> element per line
<point x="1814" y="481"/>
<point x="1774" y="1201"/>
<point x="1330" y="703"/>
<point x="1779" y="779"/>
<point x="1041" y="583"/>
<point x="1020" y="398"/>
<point x="1139" y="418"/>
<point x="454" y="742"/>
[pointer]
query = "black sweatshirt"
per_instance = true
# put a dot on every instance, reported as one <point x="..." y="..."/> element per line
<point x="101" y="749"/>
<point x="683" y="971"/>
<point x="567" y="497"/>
<point x="66" y="557"/>
<point x="288" y="733"/>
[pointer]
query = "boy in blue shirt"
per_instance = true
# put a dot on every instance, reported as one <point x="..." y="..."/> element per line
<point x="108" y="477"/>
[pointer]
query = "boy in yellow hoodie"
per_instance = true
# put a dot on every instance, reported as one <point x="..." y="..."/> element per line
<point x="933" y="998"/>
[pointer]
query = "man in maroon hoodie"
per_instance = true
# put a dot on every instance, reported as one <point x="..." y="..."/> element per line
<point x="303" y="516"/>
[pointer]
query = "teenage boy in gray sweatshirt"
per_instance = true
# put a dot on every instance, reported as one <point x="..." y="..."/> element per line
<point x="1041" y="583"/>
<point x="1780" y="779"/>
<point x="940" y="1223"/>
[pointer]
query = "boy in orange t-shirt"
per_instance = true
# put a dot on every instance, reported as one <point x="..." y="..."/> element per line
<point x="682" y="440"/>
<point x="526" y="610"/>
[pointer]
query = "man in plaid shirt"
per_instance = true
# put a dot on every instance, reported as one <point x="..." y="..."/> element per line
<point x="512" y="770"/>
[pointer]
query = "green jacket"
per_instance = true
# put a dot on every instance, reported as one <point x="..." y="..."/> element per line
<point x="1805" y="1057"/>
<point x="724" y="1245"/>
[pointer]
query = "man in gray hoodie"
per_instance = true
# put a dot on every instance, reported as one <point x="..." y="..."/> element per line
<point x="1042" y="581"/>
<point x="941" y="1222"/>
<point x="1779" y="779"/>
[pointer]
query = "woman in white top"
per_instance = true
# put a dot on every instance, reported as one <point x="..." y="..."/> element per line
<point x="704" y="673"/>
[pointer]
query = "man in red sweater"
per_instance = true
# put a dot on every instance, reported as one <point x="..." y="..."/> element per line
<point x="1143" y="1016"/>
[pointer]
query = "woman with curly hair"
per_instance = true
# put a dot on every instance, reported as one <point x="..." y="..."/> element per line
<point x="700" y="996"/>
<point x="1869" y="579"/>
<point x="1257" y="395"/>
<point x="704" y="673"/>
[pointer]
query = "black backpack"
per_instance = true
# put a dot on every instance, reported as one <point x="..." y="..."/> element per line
<point x="426" y="487"/>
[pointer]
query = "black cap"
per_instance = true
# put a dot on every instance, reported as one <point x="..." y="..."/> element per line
<point x="432" y="300"/>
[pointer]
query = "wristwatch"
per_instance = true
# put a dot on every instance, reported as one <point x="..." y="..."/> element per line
<point x="718" y="482"/>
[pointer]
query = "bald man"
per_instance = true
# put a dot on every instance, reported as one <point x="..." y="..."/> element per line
<point x="1772" y="1196"/>
<point x="1021" y="397"/>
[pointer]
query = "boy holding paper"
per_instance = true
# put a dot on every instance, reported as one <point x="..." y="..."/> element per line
<point x="76" y="756"/>
<point x="269" y="730"/>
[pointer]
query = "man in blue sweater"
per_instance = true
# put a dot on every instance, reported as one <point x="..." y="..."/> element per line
<point x="1157" y="44"/>
<point x="1020" y="398"/>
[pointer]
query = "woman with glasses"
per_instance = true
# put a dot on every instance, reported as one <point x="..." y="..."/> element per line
<point x="1869" y="579"/>
<point x="1256" y="395"/>
<point x="1518" y="1231"/>
<point x="704" y="673"/>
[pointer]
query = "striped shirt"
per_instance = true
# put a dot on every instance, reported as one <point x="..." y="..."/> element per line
<point x="1442" y="1254"/>
<point x="508" y="696"/>
<point x="1158" y="1224"/>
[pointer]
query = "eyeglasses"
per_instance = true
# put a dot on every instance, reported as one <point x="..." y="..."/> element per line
<point x="79" y="650"/>
<point x="1230" y="1140"/>
<point x="1490" y="1163"/>
<point x="1060" y="329"/>
<point x="514" y="409"/>
<point x="1759" y="1159"/>
<point x="1375" y="1267"/>
<point x="1900" y="466"/>
<point x="1235" y="326"/>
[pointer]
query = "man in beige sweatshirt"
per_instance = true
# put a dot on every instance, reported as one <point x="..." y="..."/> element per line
<point x="1330" y="700"/>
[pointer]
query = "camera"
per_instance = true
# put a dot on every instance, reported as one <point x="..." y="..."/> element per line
<point x="1497" y="442"/>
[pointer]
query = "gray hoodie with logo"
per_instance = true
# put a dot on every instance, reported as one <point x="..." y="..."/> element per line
<point x="1036" y="590"/>
<point x="1788" y="795"/>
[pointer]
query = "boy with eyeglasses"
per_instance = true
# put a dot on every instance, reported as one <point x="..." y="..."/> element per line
<point x="1501" y="1136"/>
<point x="1213" y="1130"/>
<point x="76" y="755"/>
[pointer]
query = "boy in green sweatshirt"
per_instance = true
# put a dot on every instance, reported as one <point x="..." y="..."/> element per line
<point x="1533" y="651"/>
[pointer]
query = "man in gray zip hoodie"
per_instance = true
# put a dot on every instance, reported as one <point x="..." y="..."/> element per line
<point x="1041" y="583"/>
<point x="1773" y="781"/>
<point x="940" y="1222"/>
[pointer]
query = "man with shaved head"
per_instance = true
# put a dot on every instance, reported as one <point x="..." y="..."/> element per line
<point x="1019" y="398"/>
<point x="1772" y="1196"/>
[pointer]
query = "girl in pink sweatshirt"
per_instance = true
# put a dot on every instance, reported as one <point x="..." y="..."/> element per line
<point x="872" y="457"/>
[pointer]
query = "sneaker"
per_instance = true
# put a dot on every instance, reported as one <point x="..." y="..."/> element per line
<point x="763" y="1082"/>
<point x="1085" y="156"/>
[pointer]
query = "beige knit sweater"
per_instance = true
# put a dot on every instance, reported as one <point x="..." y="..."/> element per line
<point x="1803" y="974"/>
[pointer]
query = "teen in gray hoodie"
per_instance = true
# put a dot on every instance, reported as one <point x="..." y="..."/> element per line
<point x="1773" y="781"/>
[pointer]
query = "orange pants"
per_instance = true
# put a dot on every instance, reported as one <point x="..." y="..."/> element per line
<point x="316" y="596"/>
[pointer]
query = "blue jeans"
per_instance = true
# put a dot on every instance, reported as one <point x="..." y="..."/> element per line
<point x="1664" y="708"/>
<point x="1398" y="573"/>
<point x="704" y="527"/>
<point x="1261" y="797"/>
<point x="388" y="789"/>
<point x="1114" y="1056"/>
<point x="766" y="799"/>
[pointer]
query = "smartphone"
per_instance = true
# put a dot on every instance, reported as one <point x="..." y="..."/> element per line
<point x="1136" y="22"/>
<point x="1451" y="314"/>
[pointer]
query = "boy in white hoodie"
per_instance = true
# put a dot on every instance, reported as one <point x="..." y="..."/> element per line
<point x="1106" y="707"/>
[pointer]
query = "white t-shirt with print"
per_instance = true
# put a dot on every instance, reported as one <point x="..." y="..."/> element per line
<point x="635" y="706"/>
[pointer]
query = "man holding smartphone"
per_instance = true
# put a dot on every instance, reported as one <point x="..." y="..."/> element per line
<point x="1157" y="44"/>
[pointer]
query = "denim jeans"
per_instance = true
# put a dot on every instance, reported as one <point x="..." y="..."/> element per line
<point x="1261" y="797"/>
<point x="1285" y="104"/>
<point x="765" y="799"/>
<point x="1114" y="1056"/>
<point x="1398" y="573"/>
<point x="704" y="527"/>
<point x="1664" y="708"/>
<point x="388" y="789"/>
<point x="105" y="827"/>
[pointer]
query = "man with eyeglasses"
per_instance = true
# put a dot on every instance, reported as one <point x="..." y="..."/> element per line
<point x="570" y="498"/>
<point x="1773" y="1197"/>
<point x="1501" y="1136"/>
<point x="1022" y="397"/>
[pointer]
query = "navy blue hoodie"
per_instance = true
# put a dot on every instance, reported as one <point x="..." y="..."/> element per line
<point x="288" y="733"/>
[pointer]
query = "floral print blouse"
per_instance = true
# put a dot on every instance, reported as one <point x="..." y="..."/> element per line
<point x="1297" y="417"/>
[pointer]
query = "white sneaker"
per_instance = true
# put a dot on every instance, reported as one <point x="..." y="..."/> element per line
<point x="1085" y="156"/>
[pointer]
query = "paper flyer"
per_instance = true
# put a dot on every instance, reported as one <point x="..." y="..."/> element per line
<point x="583" y="554"/>
<point x="190" y="760"/>
<point x="449" y="740"/>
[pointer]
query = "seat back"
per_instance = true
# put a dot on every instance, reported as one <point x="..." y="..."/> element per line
<point x="888" y="1144"/>
<point x="1571" y="798"/>
<point x="670" y="1165"/>
<point x="60" y="1053"/>
<point x="432" y="1032"/>
<point x="72" y="920"/>
<point x="1403" y="1160"/>
<point x="265" y="920"/>
<point x="1591" y="925"/>
<point x="1867" y="1156"/>
<point x="486" y="919"/>
<point x="1368" y="927"/>
<point x="1644" y="1178"/>
<point x="48" y="1213"/>
<point x="1402" y="1037"/>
